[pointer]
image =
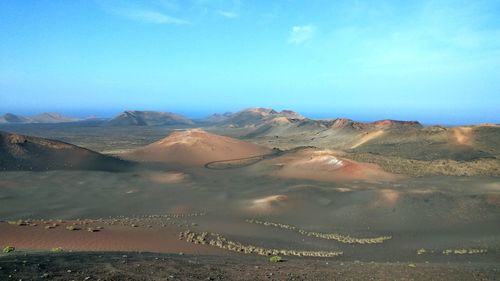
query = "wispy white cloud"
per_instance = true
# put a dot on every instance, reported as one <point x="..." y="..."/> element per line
<point x="301" y="34"/>
<point x="141" y="12"/>
<point x="151" y="16"/>
<point x="227" y="14"/>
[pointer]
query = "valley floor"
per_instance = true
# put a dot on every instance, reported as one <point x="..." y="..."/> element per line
<point x="149" y="266"/>
<point x="222" y="220"/>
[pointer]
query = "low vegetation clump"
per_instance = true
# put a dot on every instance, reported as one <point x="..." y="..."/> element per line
<point x="8" y="249"/>
<point x="346" y="239"/>
<point x="72" y="228"/>
<point x="147" y="221"/>
<point x="18" y="223"/>
<point x="57" y="250"/>
<point x="275" y="259"/>
<point x="51" y="226"/>
<point x="453" y="251"/>
<point x="464" y="251"/>
<point x="217" y="240"/>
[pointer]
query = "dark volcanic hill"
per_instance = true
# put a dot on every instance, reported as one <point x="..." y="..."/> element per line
<point x="266" y="121"/>
<point x="405" y="139"/>
<point x="217" y="117"/>
<point x="148" y="118"/>
<point x="13" y="118"/>
<point x="51" y="117"/>
<point x="47" y="117"/>
<point x="253" y="117"/>
<point x="25" y="153"/>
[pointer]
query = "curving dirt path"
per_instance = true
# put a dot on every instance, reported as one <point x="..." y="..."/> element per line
<point x="214" y="165"/>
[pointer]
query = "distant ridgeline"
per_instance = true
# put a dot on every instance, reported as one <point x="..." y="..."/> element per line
<point x="40" y="118"/>
<point x="247" y="117"/>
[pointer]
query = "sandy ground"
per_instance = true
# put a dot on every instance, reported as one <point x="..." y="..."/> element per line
<point x="147" y="266"/>
<point x="143" y="237"/>
<point x="320" y="192"/>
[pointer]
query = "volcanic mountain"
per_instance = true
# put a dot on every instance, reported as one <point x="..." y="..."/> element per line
<point x="323" y="165"/>
<point x="217" y="117"/>
<point x="47" y="117"/>
<point x="253" y="117"/>
<point x="13" y="118"/>
<point x="148" y="118"/>
<point x="18" y="152"/>
<point x="264" y="125"/>
<point x="195" y="147"/>
<point x="51" y="117"/>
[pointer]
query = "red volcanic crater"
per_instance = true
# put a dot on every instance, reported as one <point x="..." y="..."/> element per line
<point x="195" y="147"/>
<point x="327" y="165"/>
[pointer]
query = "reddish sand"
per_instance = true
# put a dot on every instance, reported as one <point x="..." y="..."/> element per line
<point x="195" y="147"/>
<point x="326" y="165"/>
<point x="281" y="120"/>
<point x="111" y="238"/>
<point x="463" y="135"/>
<point x="388" y="197"/>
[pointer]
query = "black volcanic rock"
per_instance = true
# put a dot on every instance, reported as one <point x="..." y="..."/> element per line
<point x="26" y="153"/>
<point x="148" y="118"/>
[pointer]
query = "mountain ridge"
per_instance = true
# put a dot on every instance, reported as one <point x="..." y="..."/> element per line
<point x="148" y="118"/>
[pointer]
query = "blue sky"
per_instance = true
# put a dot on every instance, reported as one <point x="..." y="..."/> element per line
<point x="434" y="61"/>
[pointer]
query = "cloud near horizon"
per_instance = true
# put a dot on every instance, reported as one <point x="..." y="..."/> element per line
<point x="301" y="34"/>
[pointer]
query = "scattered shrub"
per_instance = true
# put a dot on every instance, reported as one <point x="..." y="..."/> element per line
<point x="72" y="228"/>
<point x="57" y="249"/>
<point x="8" y="249"/>
<point x="275" y="259"/>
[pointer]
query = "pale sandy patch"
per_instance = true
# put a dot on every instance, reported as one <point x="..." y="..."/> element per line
<point x="463" y="135"/>
<point x="168" y="177"/>
<point x="267" y="204"/>
<point x="368" y="137"/>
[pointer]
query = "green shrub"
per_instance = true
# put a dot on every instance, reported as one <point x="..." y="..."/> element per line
<point x="57" y="250"/>
<point x="275" y="259"/>
<point x="8" y="249"/>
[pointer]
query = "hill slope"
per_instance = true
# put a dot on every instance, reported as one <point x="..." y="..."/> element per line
<point x="47" y="117"/>
<point x="254" y="117"/>
<point x="51" y="117"/>
<point x="195" y="147"/>
<point x="13" y="118"/>
<point x="148" y="118"/>
<point x="18" y="152"/>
